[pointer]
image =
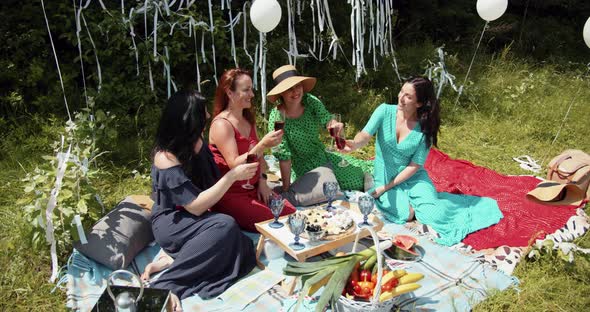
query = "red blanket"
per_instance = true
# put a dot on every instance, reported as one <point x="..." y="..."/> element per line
<point x="523" y="219"/>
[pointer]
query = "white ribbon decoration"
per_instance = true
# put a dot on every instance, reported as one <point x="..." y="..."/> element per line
<point x="51" y="203"/>
<point x="78" y="30"/>
<point x="211" y="29"/>
<point x="56" y="60"/>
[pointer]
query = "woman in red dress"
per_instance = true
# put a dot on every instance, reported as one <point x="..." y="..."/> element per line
<point x="232" y="138"/>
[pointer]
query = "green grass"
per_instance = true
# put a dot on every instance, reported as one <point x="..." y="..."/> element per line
<point x="511" y="108"/>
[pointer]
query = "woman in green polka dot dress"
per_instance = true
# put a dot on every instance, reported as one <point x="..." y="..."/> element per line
<point x="305" y="116"/>
<point x="403" y="191"/>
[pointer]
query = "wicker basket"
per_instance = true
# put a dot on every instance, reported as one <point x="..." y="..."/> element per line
<point x="349" y="305"/>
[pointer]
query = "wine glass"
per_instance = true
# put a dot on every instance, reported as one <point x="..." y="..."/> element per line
<point x="332" y="130"/>
<point x="276" y="204"/>
<point x="251" y="158"/>
<point x="279" y="125"/>
<point x="366" y="203"/>
<point x="341" y="144"/>
<point x="330" y="190"/>
<point x="297" y="225"/>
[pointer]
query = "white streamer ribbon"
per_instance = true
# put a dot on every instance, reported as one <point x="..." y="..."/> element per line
<point x="56" y="61"/>
<point x="211" y="29"/>
<point x="62" y="163"/>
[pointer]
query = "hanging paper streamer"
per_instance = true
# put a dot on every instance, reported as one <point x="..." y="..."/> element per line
<point x="78" y="30"/>
<point x="132" y="34"/>
<point x="62" y="163"/>
<point x="263" y="72"/>
<point x="438" y="74"/>
<point x="211" y="29"/>
<point x="246" y="31"/>
<point x="232" y="23"/>
<point x="99" y="72"/>
<point x="292" y="37"/>
<point x="197" y="59"/>
<point x="56" y="61"/>
<point x="357" y="34"/>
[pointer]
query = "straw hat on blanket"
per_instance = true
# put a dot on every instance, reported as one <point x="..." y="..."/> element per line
<point x="285" y="78"/>
<point x="554" y="193"/>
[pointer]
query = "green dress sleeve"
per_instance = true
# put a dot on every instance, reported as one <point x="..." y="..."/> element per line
<point x="376" y="120"/>
<point x="282" y="151"/>
<point x="318" y="109"/>
<point x="421" y="152"/>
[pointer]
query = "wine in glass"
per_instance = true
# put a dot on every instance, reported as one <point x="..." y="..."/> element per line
<point x="279" y="125"/>
<point x="333" y="133"/>
<point x="297" y="226"/>
<point x="341" y="144"/>
<point x="330" y="191"/>
<point x="366" y="204"/>
<point x="251" y="158"/>
<point x="276" y="204"/>
<point x="280" y="121"/>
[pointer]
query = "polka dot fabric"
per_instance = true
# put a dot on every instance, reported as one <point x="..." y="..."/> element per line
<point x="453" y="216"/>
<point x="301" y="144"/>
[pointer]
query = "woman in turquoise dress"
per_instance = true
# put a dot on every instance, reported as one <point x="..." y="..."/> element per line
<point x="402" y="190"/>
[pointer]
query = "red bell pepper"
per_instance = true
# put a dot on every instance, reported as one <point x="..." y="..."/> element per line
<point x="365" y="276"/>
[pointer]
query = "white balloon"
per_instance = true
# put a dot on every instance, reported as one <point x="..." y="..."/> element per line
<point x="587" y="32"/>
<point x="265" y="15"/>
<point x="491" y="10"/>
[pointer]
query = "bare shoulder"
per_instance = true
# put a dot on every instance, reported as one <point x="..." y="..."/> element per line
<point x="221" y="130"/>
<point x="165" y="160"/>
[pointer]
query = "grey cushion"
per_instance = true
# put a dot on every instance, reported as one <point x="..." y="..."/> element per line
<point x="119" y="236"/>
<point x="309" y="188"/>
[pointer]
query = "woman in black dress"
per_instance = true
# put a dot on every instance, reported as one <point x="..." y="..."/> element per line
<point x="209" y="250"/>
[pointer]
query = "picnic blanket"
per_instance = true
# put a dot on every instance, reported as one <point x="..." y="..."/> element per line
<point x="86" y="281"/>
<point x="453" y="281"/>
<point x="523" y="220"/>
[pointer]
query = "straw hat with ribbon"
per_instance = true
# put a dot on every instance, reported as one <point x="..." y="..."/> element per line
<point x="554" y="193"/>
<point x="285" y="78"/>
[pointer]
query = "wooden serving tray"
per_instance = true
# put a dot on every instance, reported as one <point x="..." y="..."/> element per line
<point x="283" y="237"/>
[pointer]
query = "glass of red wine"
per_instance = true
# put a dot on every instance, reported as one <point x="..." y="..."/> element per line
<point x="279" y="125"/>
<point x="333" y="133"/>
<point x="341" y="144"/>
<point x="251" y="158"/>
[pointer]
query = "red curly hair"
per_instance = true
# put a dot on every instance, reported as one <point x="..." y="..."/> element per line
<point x="228" y="82"/>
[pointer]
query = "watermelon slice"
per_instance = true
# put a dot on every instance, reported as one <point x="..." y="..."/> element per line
<point x="405" y="243"/>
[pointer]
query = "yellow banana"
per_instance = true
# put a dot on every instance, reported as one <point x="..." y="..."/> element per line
<point x="401" y="289"/>
<point x="410" y="278"/>
<point x="393" y="274"/>
<point x="385" y="296"/>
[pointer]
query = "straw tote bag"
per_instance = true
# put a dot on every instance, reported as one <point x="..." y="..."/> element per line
<point x="571" y="166"/>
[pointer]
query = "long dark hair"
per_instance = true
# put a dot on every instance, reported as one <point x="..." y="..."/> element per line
<point x="429" y="112"/>
<point x="227" y="82"/>
<point x="181" y="126"/>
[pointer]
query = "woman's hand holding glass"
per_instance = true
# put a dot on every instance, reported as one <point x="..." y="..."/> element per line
<point x="244" y="171"/>
<point x="272" y="138"/>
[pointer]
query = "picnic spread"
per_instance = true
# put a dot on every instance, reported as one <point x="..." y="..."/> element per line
<point x="408" y="270"/>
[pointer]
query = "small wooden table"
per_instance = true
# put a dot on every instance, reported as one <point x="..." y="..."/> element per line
<point x="283" y="236"/>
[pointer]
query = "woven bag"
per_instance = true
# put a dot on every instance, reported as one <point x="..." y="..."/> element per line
<point x="571" y="166"/>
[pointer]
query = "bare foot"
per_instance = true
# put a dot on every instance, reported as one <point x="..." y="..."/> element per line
<point x="162" y="262"/>
<point x="175" y="302"/>
<point x="145" y="276"/>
